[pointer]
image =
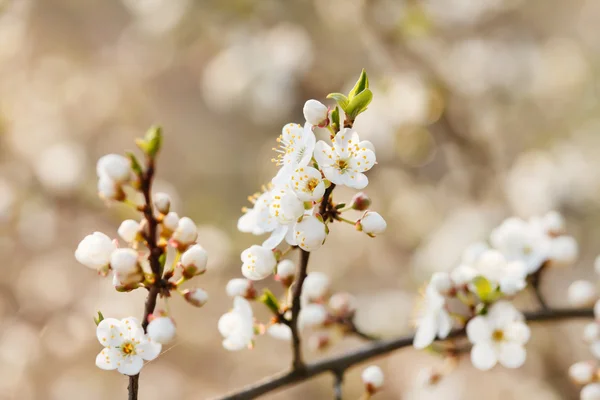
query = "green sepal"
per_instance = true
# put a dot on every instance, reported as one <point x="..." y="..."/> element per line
<point x="269" y="300"/>
<point x="361" y="84"/>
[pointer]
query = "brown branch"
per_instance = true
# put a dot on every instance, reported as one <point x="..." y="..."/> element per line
<point x="154" y="259"/>
<point x="338" y="381"/>
<point x="375" y="349"/>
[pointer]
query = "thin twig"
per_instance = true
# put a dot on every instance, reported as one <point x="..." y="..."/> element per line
<point x="338" y="381"/>
<point x="297" y="362"/>
<point x="154" y="259"/>
<point x="535" y="281"/>
<point x="373" y="350"/>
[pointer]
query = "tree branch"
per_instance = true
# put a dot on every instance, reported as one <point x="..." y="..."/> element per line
<point x="376" y="349"/>
<point x="297" y="362"/>
<point x="338" y="381"/>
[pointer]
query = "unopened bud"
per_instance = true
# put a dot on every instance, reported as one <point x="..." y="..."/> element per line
<point x="161" y="330"/>
<point x="186" y="232"/>
<point x="582" y="293"/>
<point x="342" y="304"/>
<point x="315" y="113"/>
<point x="162" y="202"/>
<point x="286" y="271"/>
<point x="240" y="287"/>
<point x="196" y="297"/>
<point x="582" y="373"/>
<point x="373" y="378"/>
<point x="129" y="230"/>
<point x="110" y="190"/>
<point x="360" y="202"/>
<point x="371" y="223"/>
<point x="194" y="261"/>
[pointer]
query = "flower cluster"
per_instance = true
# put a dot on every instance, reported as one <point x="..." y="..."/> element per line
<point x="158" y="252"/>
<point x="476" y="293"/>
<point x="297" y="207"/>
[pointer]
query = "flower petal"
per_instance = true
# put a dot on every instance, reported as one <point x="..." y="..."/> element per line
<point x="518" y="332"/>
<point x="444" y="324"/>
<point x="478" y="330"/>
<point x="131" y="365"/>
<point x="109" y="332"/>
<point x="107" y="359"/>
<point x="363" y="160"/>
<point x="512" y="355"/>
<point x="324" y="154"/>
<point x="483" y="356"/>
<point x="425" y="332"/>
<point x="148" y="349"/>
<point x="132" y="329"/>
<point x="333" y="174"/>
<point x="355" y="180"/>
<point x="276" y="237"/>
<point x="343" y="141"/>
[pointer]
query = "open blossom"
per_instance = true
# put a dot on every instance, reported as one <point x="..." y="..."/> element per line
<point x="315" y="113"/>
<point x="258" y="262"/>
<point x="373" y="378"/>
<point x="196" y="297"/>
<point x="237" y="326"/>
<point x="499" y="336"/>
<point x="186" y="232"/>
<point x="371" y="223"/>
<point x="345" y="162"/>
<point x="125" y="346"/>
<point x="509" y="276"/>
<point x="312" y="315"/>
<point x="285" y="208"/>
<point x="115" y="167"/>
<point x="94" y="251"/>
<point x="195" y="257"/>
<point x="310" y="233"/>
<point x="316" y="286"/>
<point x="128" y="230"/>
<point x="433" y="320"/>
<point x="258" y="219"/>
<point x="240" y="287"/>
<point x="307" y="184"/>
<point x="161" y="330"/>
<point x="297" y="145"/>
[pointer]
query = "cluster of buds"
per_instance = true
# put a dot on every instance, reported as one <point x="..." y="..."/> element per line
<point x="158" y="252"/>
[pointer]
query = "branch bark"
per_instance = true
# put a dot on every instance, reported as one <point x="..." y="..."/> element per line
<point x="376" y="349"/>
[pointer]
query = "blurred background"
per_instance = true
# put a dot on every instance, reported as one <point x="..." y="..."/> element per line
<point x="482" y="109"/>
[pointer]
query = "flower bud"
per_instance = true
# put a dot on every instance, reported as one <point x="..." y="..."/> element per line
<point x="128" y="230"/>
<point x="582" y="293"/>
<point x="115" y="167"/>
<point x="94" y="251"/>
<point x="109" y="190"/>
<point x="342" y="304"/>
<point x="162" y="202"/>
<point x="161" y="330"/>
<point x="196" y="297"/>
<point x="554" y="223"/>
<point x="591" y="332"/>
<point x="258" y="262"/>
<point x="286" y="271"/>
<point x="280" y="331"/>
<point x="124" y="261"/>
<point x="315" y="286"/>
<point x="310" y="233"/>
<point x="564" y="251"/>
<point x="360" y="202"/>
<point x="583" y="372"/>
<point x="312" y="315"/>
<point x="441" y="283"/>
<point x="591" y="391"/>
<point x="170" y="221"/>
<point x="373" y="378"/>
<point x="371" y="223"/>
<point x="315" y="113"/>
<point x="194" y="261"/>
<point x="240" y="287"/>
<point x="186" y="232"/>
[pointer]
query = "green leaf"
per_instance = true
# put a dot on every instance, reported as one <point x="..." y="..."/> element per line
<point x="135" y="164"/>
<point x="99" y="318"/>
<point x="359" y="103"/>
<point x="339" y="206"/>
<point x="341" y="99"/>
<point x="152" y="141"/>
<point x="335" y="119"/>
<point x="487" y="292"/>
<point x="269" y="300"/>
<point x="360" y="85"/>
<point x="162" y="260"/>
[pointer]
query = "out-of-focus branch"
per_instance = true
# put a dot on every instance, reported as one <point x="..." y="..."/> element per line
<point x="376" y="349"/>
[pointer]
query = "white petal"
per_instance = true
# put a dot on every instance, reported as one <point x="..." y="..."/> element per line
<point x="324" y="154"/>
<point x="512" y="355"/>
<point x="107" y="359"/>
<point x="342" y="142"/>
<point x="276" y="237"/>
<point x="483" y="356"/>
<point x="518" y="332"/>
<point x="109" y="332"/>
<point x="425" y="332"/>
<point x="363" y="160"/>
<point x="148" y="350"/>
<point x="132" y="329"/>
<point x="478" y="330"/>
<point x="131" y="365"/>
<point x="333" y="174"/>
<point x="444" y="323"/>
<point x="234" y="344"/>
<point x="355" y="180"/>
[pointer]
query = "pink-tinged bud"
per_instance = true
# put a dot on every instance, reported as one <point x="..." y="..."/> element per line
<point x="373" y="378"/>
<point x="360" y="202"/>
<point x="342" y="305"/>
<point x="196" y="297"/>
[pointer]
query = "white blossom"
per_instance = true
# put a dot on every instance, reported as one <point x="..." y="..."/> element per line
<point x="342" y="304"/>
<point x="258" y="220"/>
<point x="258" y="262"/>
<point x="195" y="257"/>
<point x="373" y="378"/>
<point x="286" y="269"/>
<point x="186" y="232"/>
<point x="125" y="346"/>
<point x="170" y="221"/>
<point x="280" y="331"/>
<point x="310" y="233"/>
<point x="582" y="372"/>
<point x="473" y="251"/>
<point x="433" y="320"/>
<point x="115" y="167"/>
<point x="307" y="184"/>
<point x="196" y="297"/>
<point x="162" y="202"/>
<point x="285" y="208"/>
<point x="499" y="336"/>
<point x="239" y="287"/>
<point x="237" y="326"/>
<point x="161" y="330"/>
<point x="312" y="315"/>
<point x="345" y="162"/>
<point x="316" y="286"/>
<point x="297" y="145"/>
<point x="441" y="283"/>
<point x="372" y="223"/>
<point x="463" y="274"/>
<point x="590" y="391"/>
<point x="128" y="230"/>
<point x="108" y="189"/>
<point x="124" y="261"/>
<point x="563" y="251"/>
<point x="552" y="223"/>
<point x="510" y="277"/>
<point x="582" y="293"/>
<point x="315" y="113"/>
<point x="94" y="251"/>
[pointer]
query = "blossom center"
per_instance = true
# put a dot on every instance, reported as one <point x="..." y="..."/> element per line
<point x="312" y="184"/>
<point x="342" y="164"/>
<point x="498" y="335"/>
<point x="127" y="348"/>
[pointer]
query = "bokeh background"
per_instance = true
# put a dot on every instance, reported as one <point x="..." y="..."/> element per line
<point x="482" y="109"/>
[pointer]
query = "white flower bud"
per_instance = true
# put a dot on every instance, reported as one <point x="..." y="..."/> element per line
<point x="371" y="223"/>
<point x="240" y="287"/>
<point x="170" y="221"/>
<point x="186" y="232"/>
<point x="441" y="282"/>
<point x="194" y="260"/>
<point x="373" y="378"/>
<point x="162" y="202"/>
<point x="196" y="297"/>
<point x="315" y="286"/>
<point x="115" y="167"/>
<point x="582" y="293"/>
<point x="590" y="391"/>
<point x="312" y="315"/>
<point x="109" y="190"/>
<point x="315" y="113"/>
<point x="554" y="223"/>
<point x="591" y="332"/>
<point x="286" y="269"/>
<point x="124" y="261"/>
<point x="258" y="262"/>
<point x="310" y="233"/>
<point x="161" y="330"/>
<point x="280" y="331"/>
<point x="94" y="251"/>
<point x="583" y="372"/>
<point x="360" y="202"/>
<point x="128" y="230"/>
<point x="342" y="304"/>
<point x="564" y="251"/>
